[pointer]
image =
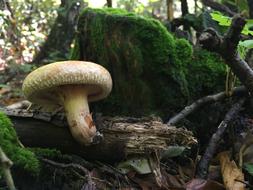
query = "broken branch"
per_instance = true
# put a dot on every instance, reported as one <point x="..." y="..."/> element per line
<point x="219" y="7"/>
<point x="227" y="47"/>
<point x="202" y="169"/>
<point x="202" y="101"/>
<point x="6" y="164"/>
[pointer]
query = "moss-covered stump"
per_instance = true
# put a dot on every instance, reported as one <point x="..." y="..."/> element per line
<point x="148" y="65"/>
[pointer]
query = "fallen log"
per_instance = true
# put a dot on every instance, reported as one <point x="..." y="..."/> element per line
<point x="122" y="136"/>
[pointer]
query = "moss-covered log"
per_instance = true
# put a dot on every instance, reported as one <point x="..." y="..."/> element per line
<point x="152" y="71"/>
<point x="122" y="136"/>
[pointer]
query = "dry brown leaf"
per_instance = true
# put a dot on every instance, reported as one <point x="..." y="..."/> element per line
<point x="202" y="184"/>
<point x="246" y="149"/>
<point x="230" y="173"/>
<point x="4" y="91"/>
<point x="146" y="181"/>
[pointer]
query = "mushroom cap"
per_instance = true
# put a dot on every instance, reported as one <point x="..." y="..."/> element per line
<point x="40" y="86"/>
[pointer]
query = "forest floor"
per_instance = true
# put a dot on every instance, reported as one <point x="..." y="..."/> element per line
<point x="177" y="171"/>
<point x="11" y="92"/>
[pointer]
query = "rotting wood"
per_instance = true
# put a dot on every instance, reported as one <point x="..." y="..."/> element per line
<point x="122" y="136"/>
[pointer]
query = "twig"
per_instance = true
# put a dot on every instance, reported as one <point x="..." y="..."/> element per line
<point x="202" y="101"/>
<point x="6" y="164"/>
<point x="245" y="183"/>
<point x="19" y="105"/>
<point x="219" y="7"/>
<point x="227" y="47"/>
<point x="73" y="166"/>
<point x="62" y="165"/>
<point x="202" y="169"/>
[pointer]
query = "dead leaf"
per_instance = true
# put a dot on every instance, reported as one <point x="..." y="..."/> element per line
<point x="202" y="184"/>
<point x="230" y="173"/>
<point x="4" y="90"/>
<point x="145" y="181"/>
<point x="246" y="150"/>
<point x="172" y="181"/>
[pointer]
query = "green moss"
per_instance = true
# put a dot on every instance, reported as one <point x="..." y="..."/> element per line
<point x="21" y="157"/>
<point x="184" y="51"/>
<point x="205" y="73"/>
<point x="45" y="152"/>
<point x="151" y="70"/>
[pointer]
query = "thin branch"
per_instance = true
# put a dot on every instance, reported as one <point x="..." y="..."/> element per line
<point x="6" y="164"/>
<point x="219" y="7"/>
<point x="202" y="169"/>
<point x="203" y="101"/>
<point x="62" y="165"/>
<point x="227" y="47"/>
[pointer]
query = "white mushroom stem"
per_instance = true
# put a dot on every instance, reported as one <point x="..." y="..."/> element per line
<point x="74" y="99"/>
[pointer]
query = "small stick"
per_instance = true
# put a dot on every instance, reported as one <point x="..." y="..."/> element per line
<point x="72" y="166"/>
<point x="6" y="164"/>
<point x="19" y="105"/>
<point x="202" y="169"/>
<point x="202" y="101"/>
<point x="62" y="165"/>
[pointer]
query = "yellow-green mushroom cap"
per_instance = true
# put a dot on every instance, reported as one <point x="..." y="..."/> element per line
<point x="41" y="84"/>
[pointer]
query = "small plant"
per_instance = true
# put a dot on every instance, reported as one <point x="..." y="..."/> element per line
<point x="242" y="48"/>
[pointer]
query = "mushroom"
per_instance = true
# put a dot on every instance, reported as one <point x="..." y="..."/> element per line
<point x="70" y="84"/>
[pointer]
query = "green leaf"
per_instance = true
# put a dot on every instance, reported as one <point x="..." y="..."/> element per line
<point x="4" y="86"/>
<point x="244" y="47"/>
<point x="246" y="43"/>
<point x="173" y="151"/>
<point x="249" y="22"/>
<point x="138" y="164"/>
<point x="226" y="21"/>
<point x="249" y="168"/>
<point x="221" y="19"/>
<point x="208" y="22"/>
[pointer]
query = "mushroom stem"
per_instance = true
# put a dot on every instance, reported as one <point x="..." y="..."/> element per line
<point x="77" y="112"/>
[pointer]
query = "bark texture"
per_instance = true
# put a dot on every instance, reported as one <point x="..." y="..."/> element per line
<point x="250" y="4"/>
<point x="121" y="136"/>
<point x="57" y="45"/>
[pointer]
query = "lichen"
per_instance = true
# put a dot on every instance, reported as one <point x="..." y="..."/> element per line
<point x="151" y="69"/>
<point x="21" y="157"/>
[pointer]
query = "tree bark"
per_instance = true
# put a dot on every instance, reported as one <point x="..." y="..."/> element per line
<point x="57" y="45"/>
<point x="109" y="3"/>
<point x="170" y="10"/>
<point x="121" y="136"/>
<point x="250" y="5"/>
<point x="184" y="9"/>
